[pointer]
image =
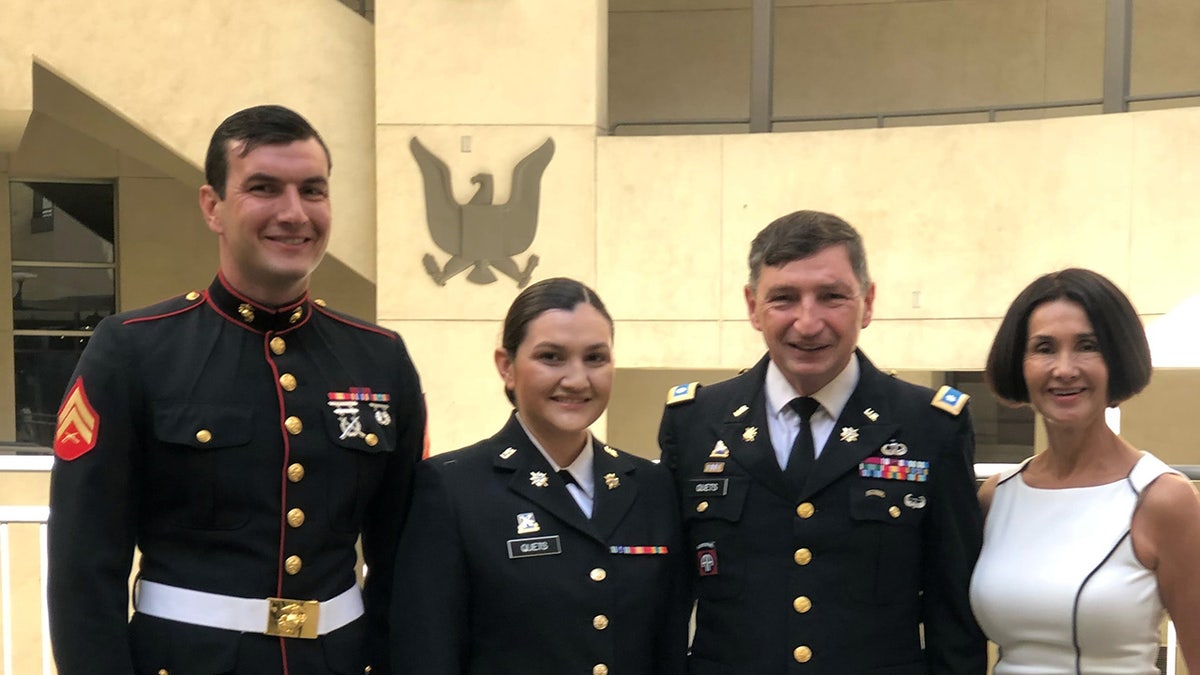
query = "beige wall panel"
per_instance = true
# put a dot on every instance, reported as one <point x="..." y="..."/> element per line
<point x="50" y="149"/>
<point x="12" y="126"/>
<point x="959" y="344"/>
<point x="131" y="167"/>
<point x="1166" y="53"/>
<point x="1165" y="175"/>
<point x="741" y="345"/>
<point x="679" y="65"/>
<point x="511" y="62"/>
<point x="176" y="88"/>
<point x="565" y="241"/>
<point x="935" y="205"/>
<point x="463" y="391"/>
<point x="638" y="398"/>
<point x="165" y="249"/>
<point x="1157" y="419"/>
<point x="658" y="243"/>
<point x="667" y="344"/>
<point x="1074" y="49"/>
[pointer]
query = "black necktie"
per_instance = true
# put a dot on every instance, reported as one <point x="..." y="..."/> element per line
<point x="803" y="454"/>
<point x="567" y="477"/>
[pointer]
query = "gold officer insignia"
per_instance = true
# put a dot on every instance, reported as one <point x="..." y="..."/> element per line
<point x="750" y="434"/>
<point x="849" y="434"/>
<point x="871" y="414"/>
<point x="611" y="480"/>
<point x="539" y="479"/>
<point x="741" y="411"/>
<point x="508" y="452"/>
<point x="610" y="451"/>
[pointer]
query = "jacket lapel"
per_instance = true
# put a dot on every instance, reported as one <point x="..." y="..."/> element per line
<point x="533" y="479"/>
<point x="616" y="489"/>
<point x="857" y="433"/>
<point x="747" y="435"/>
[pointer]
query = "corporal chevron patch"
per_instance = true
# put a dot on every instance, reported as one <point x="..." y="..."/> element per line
<point x="78" y="425"/>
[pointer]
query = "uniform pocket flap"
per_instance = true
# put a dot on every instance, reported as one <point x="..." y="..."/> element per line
<point x="203" y="425"/>
<point x="889" y="501"/>
<point x="716" y="498"/>
<point x="354" y="426"/>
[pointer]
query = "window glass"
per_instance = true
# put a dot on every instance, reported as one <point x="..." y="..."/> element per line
<point x="61" y="298"/>
<point x="44" y="364"/>
<point x="62" y="222"/>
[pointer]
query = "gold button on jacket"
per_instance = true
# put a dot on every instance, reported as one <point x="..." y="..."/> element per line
<point x="288" y="382"/>
<point x="295" y="472"/>
<point x="802" y="556"/>
<point x="293" y="425"/>
<point x="278" y="346"/>
<point x="802" y="654"/>
<point x="295" y="517"/>
<point x="293" y="564"/>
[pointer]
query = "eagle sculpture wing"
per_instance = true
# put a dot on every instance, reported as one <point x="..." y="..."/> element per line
<point x="523" y="203"/>
<point x="442" y="213"/>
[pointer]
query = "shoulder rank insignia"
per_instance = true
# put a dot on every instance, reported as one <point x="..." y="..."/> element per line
<point x="681" y="393"/>
<point x="950" y="399"/>
<point x="78" y="424"/>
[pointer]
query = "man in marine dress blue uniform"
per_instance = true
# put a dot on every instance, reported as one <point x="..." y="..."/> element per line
<point x="243" y="437"/>
<point x="830" y="509"/>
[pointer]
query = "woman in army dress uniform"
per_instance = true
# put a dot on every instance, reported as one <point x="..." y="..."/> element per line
<point x="541" y="549"/>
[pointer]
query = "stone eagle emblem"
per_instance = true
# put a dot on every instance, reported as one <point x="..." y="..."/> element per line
<point x="480" y="234"/>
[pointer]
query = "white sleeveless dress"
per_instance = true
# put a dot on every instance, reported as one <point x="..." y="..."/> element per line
<point x="1057" y="585"/>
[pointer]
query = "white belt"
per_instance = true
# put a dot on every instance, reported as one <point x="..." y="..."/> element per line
<point x="273" y="616"/>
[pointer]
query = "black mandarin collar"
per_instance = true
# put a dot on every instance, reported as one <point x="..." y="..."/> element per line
<point x="255" y="316"/>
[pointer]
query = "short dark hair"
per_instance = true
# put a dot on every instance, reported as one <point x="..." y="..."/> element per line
<point x="802" y="234"/>
<point x="541" y="297"/>
<point x="1119" y="332"/>
<point x="260" y="125"/>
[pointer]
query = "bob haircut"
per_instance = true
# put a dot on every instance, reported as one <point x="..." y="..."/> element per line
<point x="1119" y="332"/>
<point x="541" y="297"/>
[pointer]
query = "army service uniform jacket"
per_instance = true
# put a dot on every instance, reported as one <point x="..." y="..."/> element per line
<point x="243" y="450"/>
<point x="500" y="571"/>
<point x="834" y="576"/>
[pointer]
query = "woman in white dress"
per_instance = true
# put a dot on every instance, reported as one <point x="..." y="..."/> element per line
<point x="1087" y="542"/>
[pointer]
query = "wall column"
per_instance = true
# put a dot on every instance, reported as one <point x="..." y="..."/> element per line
<point x="481" y="85"/>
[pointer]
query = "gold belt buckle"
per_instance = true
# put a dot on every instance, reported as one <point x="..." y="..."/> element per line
<point x="293" y="618"/>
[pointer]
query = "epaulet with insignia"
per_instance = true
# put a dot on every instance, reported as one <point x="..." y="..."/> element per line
<point x="950" y="399"/>
<point x="681" y="393"/>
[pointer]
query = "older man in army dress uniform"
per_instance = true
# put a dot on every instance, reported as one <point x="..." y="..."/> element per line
<point x="243" y="437"/>
<point x="830" y="508"/>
